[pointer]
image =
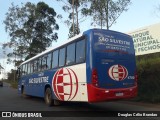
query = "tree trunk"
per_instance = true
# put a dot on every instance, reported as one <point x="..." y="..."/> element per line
<point x="73" y="15"/>
<point x="77" y="24"/>
<point x="107" y="15"/>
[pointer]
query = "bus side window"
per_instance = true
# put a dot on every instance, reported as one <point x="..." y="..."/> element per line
<point x="49" y="61"/>
<point x="32" y="66"/>
<point x="70" y="54"/>
<point x="26" y="67"/>
<point x="44" y="62"/>
<point x="62" y="57"/>
<point x="23" y="69"/>
<point x="35" y="66"/>
<point x="55" y="59"/>
<point x="80" y="51"/>
<point x="39" y="64"/>
<point x="29" y="68"/>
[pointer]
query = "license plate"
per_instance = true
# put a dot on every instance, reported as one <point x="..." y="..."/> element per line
<point x="119" y="94"/>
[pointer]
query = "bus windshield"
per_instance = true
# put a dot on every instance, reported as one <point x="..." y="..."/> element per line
<point x="113" y="44"/>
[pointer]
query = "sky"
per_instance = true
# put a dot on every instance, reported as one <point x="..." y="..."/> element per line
<point x="140" y="13"/>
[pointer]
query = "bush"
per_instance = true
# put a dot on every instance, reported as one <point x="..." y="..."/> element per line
<point x="149" y="78"/>
<point x="14" y="84"/>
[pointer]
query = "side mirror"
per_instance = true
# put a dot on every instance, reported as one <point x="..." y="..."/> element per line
<point x="17" y="71"/>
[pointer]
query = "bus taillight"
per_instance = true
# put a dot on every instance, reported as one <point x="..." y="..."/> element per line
<point x="94" y="77"/>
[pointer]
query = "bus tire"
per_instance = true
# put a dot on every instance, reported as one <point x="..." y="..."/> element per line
<point x="48" y="97"/>
<point x="23" y="93"/>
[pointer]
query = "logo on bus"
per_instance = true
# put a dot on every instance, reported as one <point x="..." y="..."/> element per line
<point x="65" y="84"/>
<point x="117" y="72"/>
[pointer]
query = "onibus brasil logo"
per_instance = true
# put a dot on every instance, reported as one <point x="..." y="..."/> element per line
<point x="65" y="84"/>
<point x="117" y="72"/>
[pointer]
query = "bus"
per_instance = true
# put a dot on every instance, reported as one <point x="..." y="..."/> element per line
<point x="97" y="65"/>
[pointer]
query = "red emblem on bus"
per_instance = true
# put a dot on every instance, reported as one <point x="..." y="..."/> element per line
<point x="65" y="84"/>
<point x="117" y="72"/>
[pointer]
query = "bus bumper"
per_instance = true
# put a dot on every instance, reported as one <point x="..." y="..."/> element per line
<point x="96" y="94"/>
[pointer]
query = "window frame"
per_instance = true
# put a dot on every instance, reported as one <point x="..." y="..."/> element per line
<point x="84" y="51"/>
<point x="44" y="64"/>
<point x="64" y="47"/>
<point x="50" y="60"/>
<point x="53" y="67"/>
<point x="74" y="62"/>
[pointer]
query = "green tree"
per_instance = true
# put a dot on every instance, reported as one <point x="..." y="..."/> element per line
<point x="76" y="30"/>
<point x="105" y="12"/>
<point x="11" y="75"/>
<point x="73" y="8"/>
<point x="31" y="28"/>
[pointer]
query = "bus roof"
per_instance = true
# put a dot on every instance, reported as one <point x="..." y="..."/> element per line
<point x="52" y="48"/>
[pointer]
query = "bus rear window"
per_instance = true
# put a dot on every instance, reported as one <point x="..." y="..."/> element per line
<point x="116" y="43"/>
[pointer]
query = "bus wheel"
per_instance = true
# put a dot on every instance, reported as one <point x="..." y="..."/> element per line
<point x="48" y="97"/>
<point x="23" y="93"/>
